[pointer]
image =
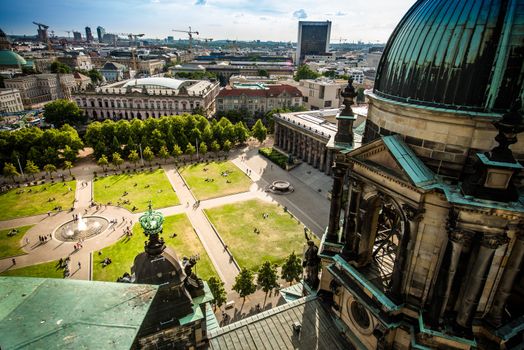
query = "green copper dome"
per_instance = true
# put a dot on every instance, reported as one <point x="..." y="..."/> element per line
<point x="466" y="55"/>
<point x="10" y="58"/>
<point x="151" y="221"/>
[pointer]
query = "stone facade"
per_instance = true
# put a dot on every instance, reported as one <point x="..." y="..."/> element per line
<point x="10" y="100"/>
<point x="116" y="102"/>
<point x="259" y="100"/>
<point x="36" y="90"/>
<point x="321" y="93"/>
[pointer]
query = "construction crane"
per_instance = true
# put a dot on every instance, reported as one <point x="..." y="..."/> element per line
<point x="42" y="34"/>
<point x="133" y="37"/>
<point x="206" y="40"/>
<point x="189" y="33"/>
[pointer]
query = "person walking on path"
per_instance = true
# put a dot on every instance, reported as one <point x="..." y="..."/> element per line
<point x="14" y="261"/>
<point x="79" y="265"/>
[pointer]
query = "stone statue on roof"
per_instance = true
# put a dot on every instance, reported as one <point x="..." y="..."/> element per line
<point x="311" y="264"/>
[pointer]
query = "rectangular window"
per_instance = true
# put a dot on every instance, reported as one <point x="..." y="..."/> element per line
<point x="327" y="103"/>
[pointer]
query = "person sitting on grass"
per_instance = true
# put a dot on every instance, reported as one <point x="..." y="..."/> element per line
<point x="106" y="262"/>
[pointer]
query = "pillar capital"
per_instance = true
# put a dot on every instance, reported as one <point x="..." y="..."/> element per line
<point x="339" y="170"/>
<point x="493" y="241"/>
<point x="461" y="236"/>
<point x="412" y="214"/>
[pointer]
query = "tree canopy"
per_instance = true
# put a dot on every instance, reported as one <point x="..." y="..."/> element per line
<point x="59" y="67"/>
<point x="244" y="284"/>
<point x="267" y="278"/>
<point x="292" y="268"/>
<point x="217" y="289"/>
<point x="259" y="131"/>
<point x="304" y="72"/>
<point x="60" y="112"/>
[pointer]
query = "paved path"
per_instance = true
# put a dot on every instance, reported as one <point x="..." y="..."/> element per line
<point x="308" y="205"/>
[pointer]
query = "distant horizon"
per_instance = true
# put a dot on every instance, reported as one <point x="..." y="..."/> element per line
<point x="242" y="20"/>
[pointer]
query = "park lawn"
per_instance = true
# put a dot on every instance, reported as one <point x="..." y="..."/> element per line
<point x="19" y="202"/>
<point x="280" y="234"/>
<point x="45" y="270"/>
<point x="11" y="246"/>
<point x="123" y="252"/>
<point x="111" y="189"/>
<point x="195" y="177"/>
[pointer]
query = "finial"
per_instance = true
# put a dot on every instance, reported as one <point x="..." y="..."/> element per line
<point x="508" y="126"/>
<point x="348" y="94"/>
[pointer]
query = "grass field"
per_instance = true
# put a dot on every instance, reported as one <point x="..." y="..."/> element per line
<point x="122" y="253"/>
<point x="153" y="186"/>
<point x="33" y="200"/>
<point x="10" y="245"/>
<point x="280" y="233"/>
<point x="46" y="270"/>
<point x="196" y="176"/>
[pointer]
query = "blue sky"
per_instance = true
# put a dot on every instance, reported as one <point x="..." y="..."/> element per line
<point x="371" y="20"/>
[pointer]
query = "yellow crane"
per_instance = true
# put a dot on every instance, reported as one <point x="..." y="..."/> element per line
<point x="189" y="33"/>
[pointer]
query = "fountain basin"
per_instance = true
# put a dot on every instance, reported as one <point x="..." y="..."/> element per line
<point x="280" y="187"/>
<point x="83" y="228"/>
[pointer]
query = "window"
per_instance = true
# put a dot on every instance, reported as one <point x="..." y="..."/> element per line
<point x="305" y="98"/>
<point x="327" y="103"/>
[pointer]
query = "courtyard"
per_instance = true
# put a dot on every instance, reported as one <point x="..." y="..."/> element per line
<point x="133" y="190"/>
<point x="34" y="200"/>
<point x="215" y="179"/>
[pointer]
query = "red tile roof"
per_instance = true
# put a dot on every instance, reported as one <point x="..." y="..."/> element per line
<point x="273" y="91"/>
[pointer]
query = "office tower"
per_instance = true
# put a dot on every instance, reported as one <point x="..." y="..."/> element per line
<point x="313" y="39"/>
<point x="100" y="31"/>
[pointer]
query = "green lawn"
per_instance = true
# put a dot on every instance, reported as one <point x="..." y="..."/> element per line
<point x="122" y="253"/>
<point x="196" y="176"/>
<point x="280" y="234"/>
<point x="46" y="270"/>
<point x="10" y="245"/>
<point x="33" y="200"/>
<point x="153" y="186"/>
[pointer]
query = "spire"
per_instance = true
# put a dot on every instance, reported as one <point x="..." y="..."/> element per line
<point x="151" y="222"/>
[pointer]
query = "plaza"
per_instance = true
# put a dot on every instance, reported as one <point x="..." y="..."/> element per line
<point x="180" y="195"/>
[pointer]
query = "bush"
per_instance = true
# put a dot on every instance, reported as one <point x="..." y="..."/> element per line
<point x="274" y="156"/>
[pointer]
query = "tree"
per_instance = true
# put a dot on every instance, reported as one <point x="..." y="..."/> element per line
<point x="96" y="76"/>
<point x="244" y="284"/>
<point x="217" y="289"/>
<point x="103" y="162"/>
<point x="60" y="112"/>
<point x="163" y="153"/>
<point x="304" y="72"/>
<point x="50" y="169"/>
<point x="117" y="160"/>
<point x="148" y="155"/>
<point x="190" y="150"/>
<point x="330" y="74"/>
<point x="226" y="147"/>
<point x="360" y="95"/>
<point x="263" y="73"/>
<point x="69" y="154"/>
<point x="259" y="131"/>
<point x="10" y="171"/>
<point x="267" y="278"/>
<point x="202" y="148"/>
<point x="68" y="165"/>
<point x="133" y="157"/>
<point x="215" y="147"/>
<point x="31" y="168"/>
<point x="177" y="152"/>
<point x="292" y="268"/>
<point x="59" y="67"/>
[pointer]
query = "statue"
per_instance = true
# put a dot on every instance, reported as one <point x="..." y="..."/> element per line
<point x="312" y="264"/>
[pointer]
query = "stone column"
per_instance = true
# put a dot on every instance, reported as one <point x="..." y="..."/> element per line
<point x="322" y="159"/>
<point x="329" y="161"/>
<point x="293" y="148"/>
<point x="351" y="219"/>
<point x="457" y="240"/>
<point x="309" y="144"/>
<point x="477" y="278"/>
<point x="511" y="271"/>
<point x="277" y="138"/>
<point x="336" y="202"/>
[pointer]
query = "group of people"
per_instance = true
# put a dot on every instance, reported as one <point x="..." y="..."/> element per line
<point x="106" y="262"/>
<point x="197" y="204"/>
<point x="79" y="245"/>
<point x="44" y="238"/>
<point x="12" y="232"/>
<point x="256" y="230"/>
<point x="265" y="215"/>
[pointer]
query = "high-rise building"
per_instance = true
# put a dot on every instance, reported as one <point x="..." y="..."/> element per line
<point x="100" y="31"/>
<point x="313" y="39"/>
<point x="77" y="36"/>
<point x="89" y="35"/>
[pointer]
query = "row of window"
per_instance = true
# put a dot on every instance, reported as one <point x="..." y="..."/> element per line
<point x="136" y="104"/>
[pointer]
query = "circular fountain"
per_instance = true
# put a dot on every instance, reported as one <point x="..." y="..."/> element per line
<point x="81" y="228"/>
<point x="280" y="187"/>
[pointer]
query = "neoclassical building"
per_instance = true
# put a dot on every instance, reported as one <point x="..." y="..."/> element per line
<point x="425" y="243"/>
<point x="309" y="136"/>
<point x="148" y="97"/>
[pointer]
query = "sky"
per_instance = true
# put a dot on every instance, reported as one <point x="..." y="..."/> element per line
<point x="277" y="20"/>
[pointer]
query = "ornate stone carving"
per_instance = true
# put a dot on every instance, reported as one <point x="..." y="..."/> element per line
<point x="494" y="241"/>
<point x="460" y="236"/>
<point x="412" y="214"/>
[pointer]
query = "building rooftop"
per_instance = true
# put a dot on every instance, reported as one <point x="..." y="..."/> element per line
<point x="270" y="91"/>
<point x="10" y="58"/>
<point x="46" y="313"/>
<point x="273" y="329"/>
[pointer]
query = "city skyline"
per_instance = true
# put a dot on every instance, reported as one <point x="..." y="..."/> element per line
<point x="269" y="20"/>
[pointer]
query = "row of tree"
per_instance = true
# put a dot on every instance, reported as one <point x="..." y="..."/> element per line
<point x="171" y="133"/>
<point x="52" y="146"/>
<point x="267" y="279"/>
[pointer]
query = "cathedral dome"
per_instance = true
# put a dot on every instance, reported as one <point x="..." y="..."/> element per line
<point x="9" y="58"/>
<point x="465" y="55"/>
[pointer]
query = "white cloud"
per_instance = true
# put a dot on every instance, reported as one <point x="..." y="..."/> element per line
<point x="300" y="14"/>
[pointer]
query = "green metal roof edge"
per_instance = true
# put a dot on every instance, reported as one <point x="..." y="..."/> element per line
<point x="487" y="161"/>
<point x="207" y="297"/>
<point x="417" y="171"/>
<point x="381" y="297"/>
<point x="423" y="329"/>
<point x="196" y="315"/>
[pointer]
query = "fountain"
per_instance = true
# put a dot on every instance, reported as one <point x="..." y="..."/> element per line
<point x="280" y="187"/>
<point x="81" y="228"/>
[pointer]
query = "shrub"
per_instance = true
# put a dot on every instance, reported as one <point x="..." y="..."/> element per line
<point x="275" y="156"/>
